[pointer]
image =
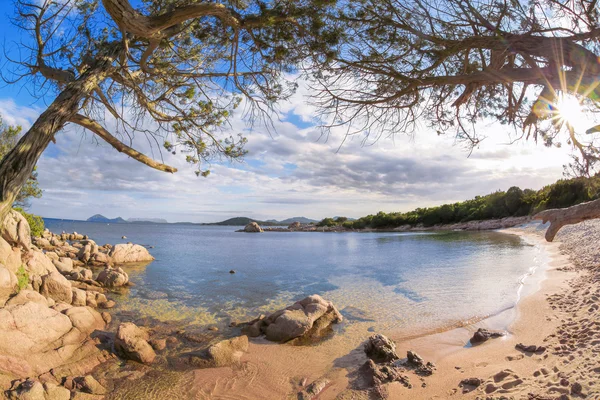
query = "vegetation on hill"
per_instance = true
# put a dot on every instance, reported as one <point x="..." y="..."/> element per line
<point x="514" y="202"/>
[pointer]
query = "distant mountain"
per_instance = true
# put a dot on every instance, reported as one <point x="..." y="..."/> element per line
<point x="153" y="220"/>
<point x="241" y="221"/>
<point x="102" y="218"/>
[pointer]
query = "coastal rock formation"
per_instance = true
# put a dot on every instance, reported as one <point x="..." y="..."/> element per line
<point x="86" y="253"/>
<point x="36" y="263"/>
<point x="35" y="390"/>
<point x="225" y="353"/>
<point x="295" y="225"/>
<point x="253" y="227"/>
<point x="10" y="256"/>
<point x="15" y="230"/>
<point x="64" y="265"/>
<point x="380" y="349"/>
<point x="8" y="284"/>
<point x="56" y="287"/>
<point x="111" y="277"/>
<point x="129" y="253"/>
<point x="483" y="335"/>
<point x="306" y="318"/>
<point x="131" y="342"/>
<point x="41" y="338"/>
<point x="26" y="296"/>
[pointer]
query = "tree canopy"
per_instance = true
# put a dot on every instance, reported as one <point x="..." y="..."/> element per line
<point x="454" y="63"/>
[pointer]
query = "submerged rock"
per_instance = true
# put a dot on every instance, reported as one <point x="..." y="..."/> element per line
<point x="380" y="349"/>
<point x="307" y="318"/>
<point x="483" y="335"/>
<point x="314" y="389"/>
<point x="223" y="354"/>
<point x="111" y="277"/>
<point x="131" y="342"/>
<point x="253" y="227"/>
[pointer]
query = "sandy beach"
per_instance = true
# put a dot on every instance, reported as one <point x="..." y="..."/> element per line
<point x="561" y="314"/>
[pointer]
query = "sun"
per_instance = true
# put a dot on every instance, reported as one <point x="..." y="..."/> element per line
<point x="568" y="111"/>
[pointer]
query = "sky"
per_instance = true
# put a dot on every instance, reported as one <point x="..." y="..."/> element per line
<point x="289" y="171"/>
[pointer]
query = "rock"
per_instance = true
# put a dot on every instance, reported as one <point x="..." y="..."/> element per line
<point x="64" y="265"/>
<point x="158" y="344"/>
<point x="26" y="296"/>
<point x="380" y="374"/>
<point x="90" y="299"/>
<point x="252" y="227"/>
<point x="123" y="237"/>
<point x="576" y="388"/>
<point x="110" y="277"/>
<point x="483" y="335"/>
<point x="57" y="287"/>
<point x="531" y="348"/>
<point x="107" y="304"/>
<point x="100" y="258"/>
<point x="421" y="367"/>
<point x="36" y="263"/>
<point x="314" y="389"/>
<point x="42" y="243"/>
<point x="15" y="230"/>
<point x="79" y="297"/>
<point x="295" y="225"/>
<point x="88" y="250"/>
<point x="106" y="317"/>
<point x="130" y="253"/>
<point x="131" y="342"/>
<point x="35" y="339"/>
<point x="307" y="318"/>
<point x="475" y="382"/>
<point x="380" y="349"/>
<point x="8" y="284"/>
<point x="232" y="272"/>
<point x="52" y="255"/>
<point x="35" y="390"/>
<point x="225" y="353"/>
<point x="10" y="256"/>
<point x="88" y="384"/>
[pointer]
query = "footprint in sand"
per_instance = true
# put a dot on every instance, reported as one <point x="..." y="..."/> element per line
<point x="503" y="382"/>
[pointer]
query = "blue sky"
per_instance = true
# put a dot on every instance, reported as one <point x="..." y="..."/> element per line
<point x="290" y="172"/>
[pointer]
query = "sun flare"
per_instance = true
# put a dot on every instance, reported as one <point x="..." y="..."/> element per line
<point x="568" y="110"/>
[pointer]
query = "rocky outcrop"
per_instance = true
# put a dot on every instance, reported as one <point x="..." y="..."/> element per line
<point x="380" y="349"/>
<point x="252" y="227"/>
<point x="36" y="263"/>
<point x="8" y="284"/>
<point x="111" y="277"/>
<point x="34" y="390"/>
<point x="39" y="338"/>
<point x="305" y="319"/>
<point x="131" y="342"/>
<point x="295" y="225"/>
<point x="129" y="253"/>
<point x="86" y="253"/>
<point x="64" y="265"/>
<point x="10" y="256"/>
<point x="26" y="296"/>
<point x="225" y="353"/>
<point x="56" y="287"/>
<point x="15" y="230"/>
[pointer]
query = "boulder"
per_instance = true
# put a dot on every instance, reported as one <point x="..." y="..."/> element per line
<point x="223" y="354"/>
<point x="88" y="384"/>
<point x="36" y="263"/>
<point x="253" y="227"/>
<point x="52" y="255"/>
<point x="483" y="335"/>
<point x="35" y="339"/>
<point x="57" y="287"/>
<point x="8" y="284"/>
<point x="79" y="297"/>
<point x="64" y="265"/>
<point x="10" y="256"/>
<point x="111" y="277"/>
<point x="35" y="390"/>
<point x="86" y="253"/>
<point x="101" y="258"/>
<point x="42" y="243"/>
<point x="131" y="342"/>
<point x="16" y="230"/>
<point x="26" y="296"/>
<point x="129" y="253"/>
<point x="381" y="349"/>
<point x="306" y="318"/>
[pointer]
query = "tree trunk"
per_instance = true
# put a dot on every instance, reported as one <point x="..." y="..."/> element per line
<point x="16" y="167"/>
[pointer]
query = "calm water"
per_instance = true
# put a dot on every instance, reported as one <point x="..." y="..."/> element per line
<point x="398" y="280"/>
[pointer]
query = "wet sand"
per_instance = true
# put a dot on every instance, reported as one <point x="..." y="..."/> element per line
<point x="560" y="312"/>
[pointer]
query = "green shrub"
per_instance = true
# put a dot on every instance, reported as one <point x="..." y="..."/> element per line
<point x="22" y="278"/>
<point x="36" y="223"/>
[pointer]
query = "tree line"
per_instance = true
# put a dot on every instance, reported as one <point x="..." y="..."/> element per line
<point x="515" y="202"/>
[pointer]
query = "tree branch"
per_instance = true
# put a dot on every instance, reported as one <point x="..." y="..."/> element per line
<point x="568" y="216"/>
<point x="96" y="128"/>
